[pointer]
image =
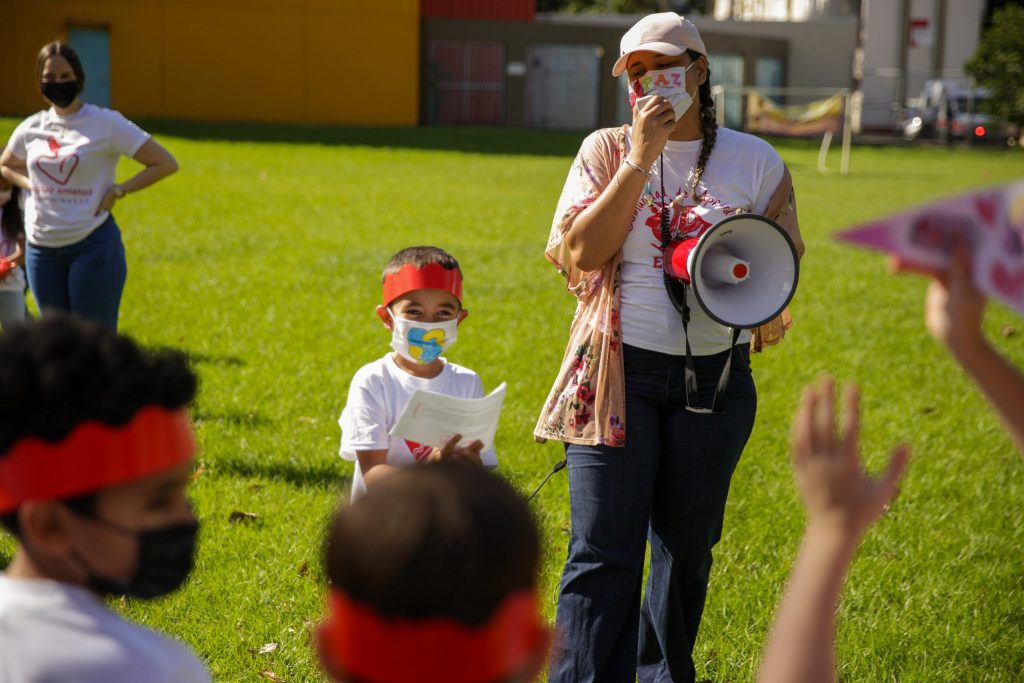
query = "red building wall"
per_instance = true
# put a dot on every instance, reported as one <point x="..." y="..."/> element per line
<point x="515" y="10"/>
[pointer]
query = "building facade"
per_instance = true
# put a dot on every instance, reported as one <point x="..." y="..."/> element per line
<point x="884" y="49"/>
<point x="276" y="61"/>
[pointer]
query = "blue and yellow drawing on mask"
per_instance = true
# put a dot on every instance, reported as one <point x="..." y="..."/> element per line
<point x="425" y="345"/>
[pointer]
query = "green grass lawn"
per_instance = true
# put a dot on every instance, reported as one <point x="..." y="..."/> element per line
<point x="262" y="258"/>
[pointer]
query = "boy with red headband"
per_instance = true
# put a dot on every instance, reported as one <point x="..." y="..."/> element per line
<point x="402" y="610"/>
<point x="95" y="453"/>
<point x="422" y="307"/>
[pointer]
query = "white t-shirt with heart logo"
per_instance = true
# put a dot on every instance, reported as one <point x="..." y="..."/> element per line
<point x="72" y="161"/>
<point x="378" y="394"/>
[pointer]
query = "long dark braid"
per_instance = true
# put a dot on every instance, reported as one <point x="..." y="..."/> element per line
<point x="708" y="122"/>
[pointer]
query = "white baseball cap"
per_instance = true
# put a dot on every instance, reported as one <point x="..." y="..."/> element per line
<point x="666" y="33"/>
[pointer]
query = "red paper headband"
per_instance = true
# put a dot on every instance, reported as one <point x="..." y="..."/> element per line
<point x="431" y="276"/>
<point x="434" y="650"/>
<point x="94" y="456"/>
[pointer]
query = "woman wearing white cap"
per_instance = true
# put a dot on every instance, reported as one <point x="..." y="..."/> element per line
<point x="640" y="464"/>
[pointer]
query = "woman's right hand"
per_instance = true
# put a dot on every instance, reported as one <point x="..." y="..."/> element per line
<point x="651" y="127"/>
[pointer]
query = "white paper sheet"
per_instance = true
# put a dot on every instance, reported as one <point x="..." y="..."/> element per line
<point x="431" y="418"/>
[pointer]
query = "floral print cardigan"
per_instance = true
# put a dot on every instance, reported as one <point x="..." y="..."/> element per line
<point x="587" y="403"/>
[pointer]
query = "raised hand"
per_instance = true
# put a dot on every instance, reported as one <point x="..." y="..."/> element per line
<point x="837" y="492"/>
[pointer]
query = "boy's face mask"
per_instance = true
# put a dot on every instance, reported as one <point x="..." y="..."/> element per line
<point x="165" y="557"/>
<point x="669" y="83"/>
<point x="421" y="342"/>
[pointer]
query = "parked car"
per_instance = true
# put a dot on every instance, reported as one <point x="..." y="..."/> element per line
<point x="948" y="110"/>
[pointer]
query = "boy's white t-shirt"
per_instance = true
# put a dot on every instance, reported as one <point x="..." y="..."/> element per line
<point x="378" y="394"/>
<point x="52" y="631"/>
<point x="72" y="161"/>
<point x="742" y="173"/>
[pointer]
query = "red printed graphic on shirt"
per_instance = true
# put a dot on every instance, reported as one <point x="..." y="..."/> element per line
<point x="57" y="168"/>
<point x="686" y="222"/>
<point x="419" y="450"/>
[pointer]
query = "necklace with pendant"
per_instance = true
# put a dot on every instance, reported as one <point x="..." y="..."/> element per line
<point x="691" y="178"/>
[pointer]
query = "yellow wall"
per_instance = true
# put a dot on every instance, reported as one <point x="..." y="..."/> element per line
<point x="303" y="61"/>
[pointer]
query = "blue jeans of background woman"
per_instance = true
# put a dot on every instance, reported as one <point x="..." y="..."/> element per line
<point x="85" y="278"/>
<point x="669" y="484"/>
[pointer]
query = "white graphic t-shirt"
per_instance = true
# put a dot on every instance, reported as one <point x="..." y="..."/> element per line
<point x="378" y="394"/>
<point x="53" y="631"/>
<point x="71" y="162"/>
<point x="741" y="174"/>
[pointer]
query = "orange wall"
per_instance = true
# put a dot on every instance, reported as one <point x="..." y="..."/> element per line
<point x="302" y="61"/>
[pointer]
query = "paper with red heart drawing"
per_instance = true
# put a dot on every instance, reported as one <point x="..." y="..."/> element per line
<point x="990" y="223"/>
<point x="431" y="419"/>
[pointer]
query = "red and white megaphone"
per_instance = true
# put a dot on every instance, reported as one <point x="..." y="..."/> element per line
<point x="743" y="270"/>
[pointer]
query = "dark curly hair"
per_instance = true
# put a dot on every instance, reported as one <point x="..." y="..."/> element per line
<point x="442" y="539"/>
<point x="60" y="371"/>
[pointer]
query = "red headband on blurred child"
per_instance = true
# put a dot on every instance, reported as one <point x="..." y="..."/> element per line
<point x="94" y="456"/>
<point x="435" y="650"/>
<point x="430" y="276"/>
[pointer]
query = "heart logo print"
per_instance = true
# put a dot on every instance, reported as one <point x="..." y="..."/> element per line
<point x="418" y="450"/>
<point x="987" y="206"/>
<point x="57" y="169"/>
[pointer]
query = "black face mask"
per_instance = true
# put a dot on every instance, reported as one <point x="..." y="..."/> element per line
<point x="165" y="558"/>
<point x="63" y="93"/>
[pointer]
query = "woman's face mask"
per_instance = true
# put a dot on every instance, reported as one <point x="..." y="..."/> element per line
<point x="61" y="93"/>
<point x="421" y="342"/>
<point x="669" y="83"/>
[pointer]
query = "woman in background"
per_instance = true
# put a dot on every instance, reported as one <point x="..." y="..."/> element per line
<point x="65" y="158"/>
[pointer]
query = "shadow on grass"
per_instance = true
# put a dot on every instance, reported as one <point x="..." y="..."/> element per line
<point x="325" y="476"/>
<point x="222" y="359"/>
<point x="231" y="417"/>
<point x="475" y="139"/>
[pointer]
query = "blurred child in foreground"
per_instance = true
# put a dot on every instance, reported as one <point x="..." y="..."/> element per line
<point x="433" y="578"/>
<point x="842" y="501"/>
<point x="96" y="451"/>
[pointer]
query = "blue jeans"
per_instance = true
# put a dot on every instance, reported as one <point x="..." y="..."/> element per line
<point x="667" y="485"/>
<point x="85" y="278"/>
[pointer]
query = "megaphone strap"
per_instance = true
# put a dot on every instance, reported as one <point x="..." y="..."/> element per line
<point x="677" y="295"/>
